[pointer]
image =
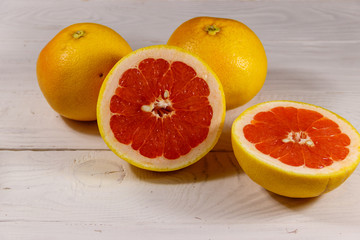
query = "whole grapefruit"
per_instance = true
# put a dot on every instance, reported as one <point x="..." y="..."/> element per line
<point x="72" y="66"/>
<point x="231" y="49"/>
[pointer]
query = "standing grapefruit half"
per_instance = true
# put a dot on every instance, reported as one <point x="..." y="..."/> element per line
<point x="161" y="108"/>
<point x="295" y="149"/>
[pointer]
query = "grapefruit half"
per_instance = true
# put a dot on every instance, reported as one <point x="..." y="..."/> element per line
<point x="295" y="149"/>
<point x="161" y="108"/>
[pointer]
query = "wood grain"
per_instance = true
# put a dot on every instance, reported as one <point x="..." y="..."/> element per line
<point x="272" y="20"/>
<point x="89" y="186"/>
<point x="93" y="195"/>
<point x="202" y="231"/>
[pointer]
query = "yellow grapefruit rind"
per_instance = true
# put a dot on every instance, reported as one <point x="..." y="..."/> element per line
<point x="148" y="164"/>
<point x="283" y="179"/>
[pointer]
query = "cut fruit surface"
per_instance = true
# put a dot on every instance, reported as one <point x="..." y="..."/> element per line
<point x="295" y="149"/>
<point x="161" y="108"/>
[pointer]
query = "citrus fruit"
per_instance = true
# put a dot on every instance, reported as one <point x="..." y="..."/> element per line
<point x="295" y="149"/>
<point x="73" y="65"/>
<point x="231" y="49"/>
<point x="161" y="108"/>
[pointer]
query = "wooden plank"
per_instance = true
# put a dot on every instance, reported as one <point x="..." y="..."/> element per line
<point x="37" y="126"/>
<point x="291" y="66"/>
<point x="145" y="23"/>
<point x="200" y="231"/>
<point x="97" y="187"/>
<point x="324" y="74"/>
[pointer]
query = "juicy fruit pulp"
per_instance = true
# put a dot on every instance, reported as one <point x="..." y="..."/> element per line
<point x="161" y="109"/>
<point x="295" y="149"/>
<point x="298" y="137"/>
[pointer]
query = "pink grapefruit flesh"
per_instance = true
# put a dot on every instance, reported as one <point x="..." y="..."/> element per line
<point x="298" y="137"/>
<point x="180" y="117"/>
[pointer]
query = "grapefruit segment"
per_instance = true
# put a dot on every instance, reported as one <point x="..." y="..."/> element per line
<point x="153" y="145"/>
<point x="306" y="118"/>
<point x="142" y="132"/>
<point x="134" y="87"/>
<point x="161" y="108"/>
<point x="288" y="116"/>
<point x="281" y="140"/>
<point x="176" y="145"/>
<point x="191" y="135"/>
<point x="124" y="126"/>
<point x="153" y="71"/>
<point x="183" y="75"/>
<point x="195" y="87"/>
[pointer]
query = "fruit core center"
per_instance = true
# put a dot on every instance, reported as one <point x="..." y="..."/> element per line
<point x="162" y="107"/>
<point x="298" y="137"/>
<point x="212" y="29"/>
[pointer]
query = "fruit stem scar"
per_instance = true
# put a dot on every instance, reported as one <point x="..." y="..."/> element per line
<point x="78" y="34"/>
<point x="212" y="29"/>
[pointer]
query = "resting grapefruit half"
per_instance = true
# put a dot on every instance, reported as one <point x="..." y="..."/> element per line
<point x="295" y="149"/>
<point x="161" y="108"/>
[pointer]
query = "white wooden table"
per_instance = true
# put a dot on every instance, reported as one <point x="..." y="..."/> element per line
<point x="58" y="180"/>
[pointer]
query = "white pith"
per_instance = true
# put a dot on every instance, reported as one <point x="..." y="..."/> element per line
<point x="171" y="55"/>
<point x="345" y="127"/>
<point x="162" y="103"/>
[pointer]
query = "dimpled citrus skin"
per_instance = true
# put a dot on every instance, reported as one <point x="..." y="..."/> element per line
<point x="72" y="66"/>
<point x="232" y="50"/>
<point x="283" y="181"/>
